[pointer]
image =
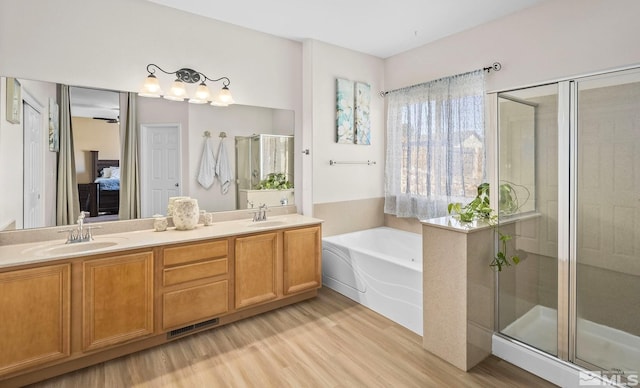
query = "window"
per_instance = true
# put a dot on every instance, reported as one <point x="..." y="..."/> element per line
<point x="435" y="145"/>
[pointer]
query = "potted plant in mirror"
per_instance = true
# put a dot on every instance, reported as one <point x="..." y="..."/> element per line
<point x="274" y="181"/>
<point x="479" y="209"/>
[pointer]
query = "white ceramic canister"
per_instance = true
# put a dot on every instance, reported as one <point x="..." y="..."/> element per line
<point x="208" y="219"/>
<point x="170" y="205"/>
<point x="186" y="213"/>
<point x="160" y="223"/>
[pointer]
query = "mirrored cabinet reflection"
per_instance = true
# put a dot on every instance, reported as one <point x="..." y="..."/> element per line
<point x="97" y="115"/>
<point x="265" y="170"/>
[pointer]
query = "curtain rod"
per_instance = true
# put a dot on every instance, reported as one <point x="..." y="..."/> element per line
<point x="496" y="66"/>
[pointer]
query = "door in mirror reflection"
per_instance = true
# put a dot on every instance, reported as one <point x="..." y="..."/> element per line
<point x="89" y="111"/>
<point x="160" y="167"/>
<point x="33" y="159"/>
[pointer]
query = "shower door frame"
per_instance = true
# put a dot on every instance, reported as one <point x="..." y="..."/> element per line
<point x="567" y="214"/>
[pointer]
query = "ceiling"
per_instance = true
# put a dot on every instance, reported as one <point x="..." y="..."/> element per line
<point x="94" y="103"/>
<point x="381" y="28"/>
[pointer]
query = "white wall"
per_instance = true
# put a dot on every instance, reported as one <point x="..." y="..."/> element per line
<point x="93" y="135"/>
<point x="553" y="40"/>
<point x="325" y="63"/>
<point x="235" y="120"/>
<point x="11" y="146"/>
<point x="11" y="157"/>
<point x="108" y="44"/>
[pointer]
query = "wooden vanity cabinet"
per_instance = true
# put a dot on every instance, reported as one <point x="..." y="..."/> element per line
<point x="257" y="268"/>
<point x="273" y="265"/>
<point x="35" y="316"/>
<point x="195" y="283"/>
<point x="117" y="299"/>
<point x="302" y="264"/>
<point x="56" y="318"/>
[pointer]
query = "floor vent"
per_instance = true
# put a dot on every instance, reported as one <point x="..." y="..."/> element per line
<point x="186" y="329"/>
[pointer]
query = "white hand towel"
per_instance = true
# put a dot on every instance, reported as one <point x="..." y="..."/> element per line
<point x="206" y="174"/>
<point x="223" y="169"/>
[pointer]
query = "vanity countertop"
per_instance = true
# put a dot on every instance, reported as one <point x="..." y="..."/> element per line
<point x="44" y="251"/>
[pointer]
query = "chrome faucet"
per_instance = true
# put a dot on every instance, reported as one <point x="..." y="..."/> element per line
<point x="261" y="214"/>
<point x="80" y="233"/>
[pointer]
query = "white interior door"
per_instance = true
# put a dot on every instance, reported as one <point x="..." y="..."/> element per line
<point x="160" y="166"/>
<point x="33" y="164"/>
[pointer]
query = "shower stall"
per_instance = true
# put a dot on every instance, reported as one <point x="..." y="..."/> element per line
<point x="569" y="153"/>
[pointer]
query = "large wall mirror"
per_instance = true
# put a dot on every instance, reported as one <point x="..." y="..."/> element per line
<point x="171" y="142"/>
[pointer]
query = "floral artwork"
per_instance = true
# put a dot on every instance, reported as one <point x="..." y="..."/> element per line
<point x="344" y="111"/>
<point x="54" y="130"/>
<point x="353" y="120"/>
<point x="362" y="118"/>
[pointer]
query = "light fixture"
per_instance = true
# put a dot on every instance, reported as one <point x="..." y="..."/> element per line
<point x="178" y="90"/>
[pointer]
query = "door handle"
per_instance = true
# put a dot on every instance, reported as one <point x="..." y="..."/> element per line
<point x="177" y="184"/>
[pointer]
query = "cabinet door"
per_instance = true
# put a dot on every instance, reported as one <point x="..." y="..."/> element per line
<point x="256" y="266"/>
<point x="117" y="299"/>
<point x="302" y="260"/>
<point x="34" y="308"/>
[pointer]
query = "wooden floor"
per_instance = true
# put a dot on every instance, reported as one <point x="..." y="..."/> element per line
<point x="329" y="341"/>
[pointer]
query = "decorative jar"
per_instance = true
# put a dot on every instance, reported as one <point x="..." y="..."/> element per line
<point x="186" y="213"/>
<point x="171" y="205"/>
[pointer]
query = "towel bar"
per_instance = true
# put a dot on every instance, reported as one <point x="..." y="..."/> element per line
<point x="367" y="162"/>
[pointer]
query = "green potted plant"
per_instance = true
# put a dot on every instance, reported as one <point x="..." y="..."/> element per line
<point x="274" y="181"/>
<point x="479" y="209"/>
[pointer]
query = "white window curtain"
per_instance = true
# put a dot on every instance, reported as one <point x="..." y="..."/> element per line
<point x="435" y="145"/>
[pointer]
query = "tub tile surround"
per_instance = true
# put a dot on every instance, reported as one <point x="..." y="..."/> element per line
<point x="458" y="290"/>
<point x="351" y="216"/>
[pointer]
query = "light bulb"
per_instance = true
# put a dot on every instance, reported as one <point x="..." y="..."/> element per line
<point x="202" y="92"/>
<point x="177" y="92"/>
<point x="225" y="96"/>
<point x="151" y="87"/>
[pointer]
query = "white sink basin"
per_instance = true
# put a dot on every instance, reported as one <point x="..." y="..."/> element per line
<point x="266" y="224"/>
<point x="79" y="247"/>
<point x="60" y="248"/>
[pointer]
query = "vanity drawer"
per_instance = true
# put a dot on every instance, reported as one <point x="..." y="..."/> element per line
<point x="195" y="271"/>
<point x="195" y="252"/>
<point x="195" y="304"/>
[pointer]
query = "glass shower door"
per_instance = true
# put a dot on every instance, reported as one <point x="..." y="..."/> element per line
<point x="527" y="175"/>
<point x="607" y="219"/>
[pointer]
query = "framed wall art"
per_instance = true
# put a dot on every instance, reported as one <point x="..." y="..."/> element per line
<point x="362" y="117"/>
<point x="344" y="111"/>
<point x="14" y="100"/>
<point x="54" y="129"/>
<point x="353" y="117"/>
